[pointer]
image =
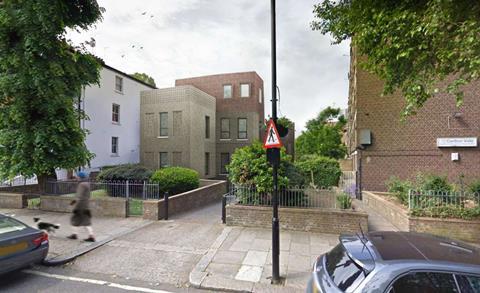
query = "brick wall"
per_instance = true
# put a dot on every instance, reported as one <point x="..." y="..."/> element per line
<point x="404" y="148"/>
<point x="451" y="228"/>
<point x="314" y="220"/>
<point x="154" y="209"/>
<point x="13" y="200"/>
<point x="108" y="207"/>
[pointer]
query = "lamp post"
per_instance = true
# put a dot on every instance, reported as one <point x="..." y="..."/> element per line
<point x="276" y="154"/>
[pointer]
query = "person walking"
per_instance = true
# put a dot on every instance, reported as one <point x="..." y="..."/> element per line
<point x="82" y="216"/>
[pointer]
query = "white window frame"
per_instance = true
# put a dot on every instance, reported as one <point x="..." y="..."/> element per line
<point x="118" y="113"/>
<point x="120" y="88"/>
<point x="117" y="140"/>
<point x="231" y="91"/>
<point x="242" y="85"/>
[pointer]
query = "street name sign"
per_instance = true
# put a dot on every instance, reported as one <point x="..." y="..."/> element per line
<point x="458" y="142"/>
<point x="272" y="139"/>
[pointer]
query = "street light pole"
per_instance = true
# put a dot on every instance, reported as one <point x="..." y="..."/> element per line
<point x="276" y="154"/>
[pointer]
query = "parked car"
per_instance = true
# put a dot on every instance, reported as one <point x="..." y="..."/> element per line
<point x="396" y="262"/>
<point x="20" y="245"/>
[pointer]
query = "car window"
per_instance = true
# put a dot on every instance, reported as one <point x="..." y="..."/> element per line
<point x="468" y="284"/>
<point x="10" y="225"/>
<point x="345" y="273"/>
<point x="425" y="282"/>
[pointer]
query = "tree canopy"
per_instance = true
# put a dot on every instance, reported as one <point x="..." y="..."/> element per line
<point x="41" y="77"/>
<point x="411" y="45"/>
<point x="323" y="135"/>
<point x="145" y="78"/>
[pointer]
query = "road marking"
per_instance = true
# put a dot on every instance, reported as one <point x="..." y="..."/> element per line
<point x="96" y="282"/>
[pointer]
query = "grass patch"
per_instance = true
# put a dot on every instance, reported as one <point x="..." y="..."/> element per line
<point x="135" y="207"/>
<point x="33" y="203"/>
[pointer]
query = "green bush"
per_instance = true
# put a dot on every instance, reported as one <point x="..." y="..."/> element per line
<point x="399" y="188"/>
<point x="320" y="171"/>
<point x="434" y="183"/>
<point x="176" y="180"/>
<point x="125" y="172"/>
<point x="449" y="211"/>
<point x="474" y="187"/>
<point x="344" y="201"/>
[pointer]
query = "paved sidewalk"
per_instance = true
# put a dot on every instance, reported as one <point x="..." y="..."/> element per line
<point x="105" y="229"/>
<point x="240" y="260"/>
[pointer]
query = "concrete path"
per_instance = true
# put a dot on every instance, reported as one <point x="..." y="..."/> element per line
<point x="60" y="247"/>
<point x="376" y="222"/>
<point x="240" y="260"/>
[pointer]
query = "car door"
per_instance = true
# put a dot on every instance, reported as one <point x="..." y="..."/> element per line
<point x="468" y="283"/>
<point x="425" y="282"/>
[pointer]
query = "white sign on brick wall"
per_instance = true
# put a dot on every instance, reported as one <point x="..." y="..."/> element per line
<point x="459" y="142"/>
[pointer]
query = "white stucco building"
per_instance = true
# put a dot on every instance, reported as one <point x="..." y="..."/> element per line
<point x="113" y="126"/>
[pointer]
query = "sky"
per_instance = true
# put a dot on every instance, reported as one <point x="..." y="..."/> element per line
<point x="171" y="39"/>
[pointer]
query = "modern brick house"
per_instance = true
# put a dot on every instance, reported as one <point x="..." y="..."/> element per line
<point x="239" y="110"/>
<point x="440" y="139"/>
<point x="201" y="121"/>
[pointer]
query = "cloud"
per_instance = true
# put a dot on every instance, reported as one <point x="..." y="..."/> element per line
<point x="185" y="38"/>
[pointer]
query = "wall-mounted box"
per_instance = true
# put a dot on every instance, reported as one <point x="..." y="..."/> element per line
<point x="365" y="137"/>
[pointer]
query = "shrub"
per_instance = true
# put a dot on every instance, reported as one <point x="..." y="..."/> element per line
<point x="399" y="188"/>
<point x="475" y="187"/>
<point x="434" y="183"/>
<point x="125" y="172"/>
<point x="176" y="180"/>
<point x="344" y="201"/>
<point x="320" y="171"/>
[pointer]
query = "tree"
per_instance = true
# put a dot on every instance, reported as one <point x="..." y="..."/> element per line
<point x="323" y="135"/>
<point x="411" y="45"/>
<point x="41" y="77"/>
<point x="144" y="77"/>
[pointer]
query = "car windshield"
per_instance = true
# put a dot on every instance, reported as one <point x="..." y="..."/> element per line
<point x="10" y="225"/>
<point x="345" y="273"/>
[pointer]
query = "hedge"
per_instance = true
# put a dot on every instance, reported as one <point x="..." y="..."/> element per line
<point x="176" y="180"/>
<point x="134" y="172"/>
<point x="324" y="171"/>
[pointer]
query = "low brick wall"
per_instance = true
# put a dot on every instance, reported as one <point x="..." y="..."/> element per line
<point x="13" y="200"/>
<point x="396" y="215"/>
<point x="452" y="228"/>
<point x="154" y="209"/>
<point x="103" y="207"/>
<point x="331" y="221"/>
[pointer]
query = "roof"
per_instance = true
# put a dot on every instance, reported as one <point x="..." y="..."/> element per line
<point x="128" y="76"/>
<point x="217" y="75"/>
<point x="417" y="246"/>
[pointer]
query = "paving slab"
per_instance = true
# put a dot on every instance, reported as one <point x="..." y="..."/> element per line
<point x="242" y="262"/>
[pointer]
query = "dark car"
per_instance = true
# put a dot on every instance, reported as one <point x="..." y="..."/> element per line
<point x="396" y="262"/>
<point x="20" y="245"/>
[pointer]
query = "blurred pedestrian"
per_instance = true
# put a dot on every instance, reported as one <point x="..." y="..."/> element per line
<point x="82" y="216"/>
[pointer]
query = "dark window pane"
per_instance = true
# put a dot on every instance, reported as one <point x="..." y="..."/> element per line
<point x="207" y="163"/>
<point x="224" y="161"/>
<point x="423" y="282"/>
<point x="242" y="128"/>
<point x="164" y="124"/>
<point x="468" y="284"/>
<point x="343" y="271"/>
<point x="163" y="159"/>
<point x="207" y="127"/>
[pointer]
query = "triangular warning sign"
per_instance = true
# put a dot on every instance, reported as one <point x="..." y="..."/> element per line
<point x="272" y="139"/>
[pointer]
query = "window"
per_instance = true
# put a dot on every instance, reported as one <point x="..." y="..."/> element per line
<point x="119" y="84"/>
<point x="163" y="160"/>
<point x="115" y="113"/>
<point x="468" y="284"/>
<point x="242" y="128"/>
<point x="207" y="163"/>
<point x="8" y="225"/>
<point x="224" y="161"/>
<point x="419" y="282"/>
<point x="164" y="124"/>
<point x="345" y="273"/>
<point x="245" y="90"/>
<point x="207" y="127"/>
<point x="225" y="128"/>
<point x="177" y="123"/>
<point x="114" y="145"/>
<point x="149" y="124"/>
<point x="227" y="91"/>
<point x="260" y="96"/>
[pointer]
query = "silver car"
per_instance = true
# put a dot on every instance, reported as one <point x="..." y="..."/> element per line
<point x="20" y="245"/>
<point x="396" y="262"/>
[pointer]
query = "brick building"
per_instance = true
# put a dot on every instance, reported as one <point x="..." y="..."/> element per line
<point x="440" y="139"/>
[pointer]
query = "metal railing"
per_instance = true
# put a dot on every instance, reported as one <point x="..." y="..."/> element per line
<point x="297" y="197"/>
<point x="428" y="200"/>
<point x="123" y="189"/>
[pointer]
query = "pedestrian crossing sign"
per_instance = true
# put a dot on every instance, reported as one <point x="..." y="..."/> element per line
<point x="272" y="139"/>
